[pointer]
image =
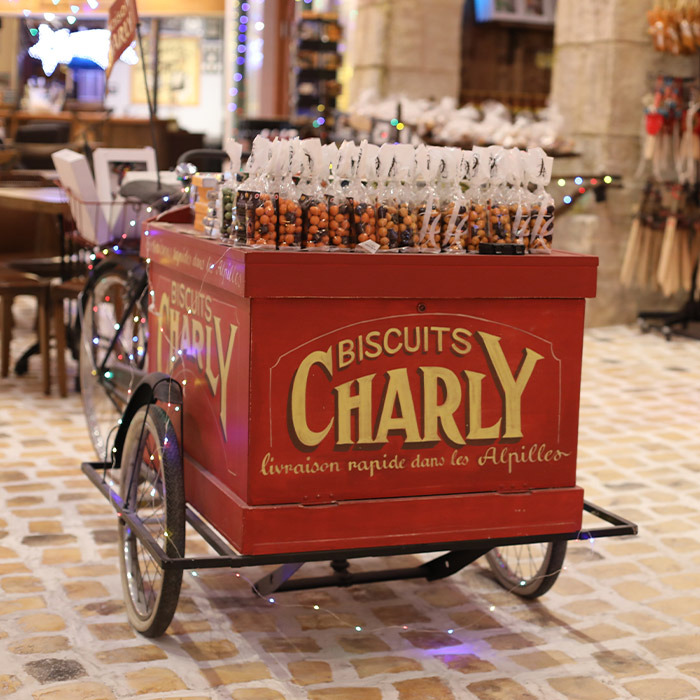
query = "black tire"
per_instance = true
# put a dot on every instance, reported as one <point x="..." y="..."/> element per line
<point x="528" y="570"/>
<point x="156" y="494"/>
<point x="109" y="370"/>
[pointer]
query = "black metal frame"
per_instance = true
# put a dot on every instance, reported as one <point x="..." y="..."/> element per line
<point x="458" y="555"/>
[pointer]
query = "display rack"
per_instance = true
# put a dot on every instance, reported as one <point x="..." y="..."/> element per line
<point x="318" y="60"/>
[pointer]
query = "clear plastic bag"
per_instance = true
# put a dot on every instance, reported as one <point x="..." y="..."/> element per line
<point x="518" y="200"/>
<point x="289" y="220"/>
<point x="226" y="204"/>
<point x="361" y="192"/>
<point x="498" y="219"/>
<point x="542" y="210"/>
<point x="342" y="163"/>
<point x="314" y="208"/>
<point x="428" y="165"/>
<point x="478" y="199"/>
<point x="263" y="208"/>
<point x="455" y="205"/>
<point x="249" y="191"/>
<point x="396" y="217"/>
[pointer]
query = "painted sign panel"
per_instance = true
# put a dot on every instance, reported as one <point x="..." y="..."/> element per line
<point x="377" y="400"/>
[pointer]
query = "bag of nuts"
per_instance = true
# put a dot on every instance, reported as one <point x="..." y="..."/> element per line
<point x="361" y="193"/>
<point x="478" y="199"/>
<point x="343" y="164"/>
<point x="455" y="206"/>
<point x="311" y="199"/>
<point x="396" y="218"/>
<point x="246" y="200"/>
<point x="263" y="210"/>
<point x="228" y="190"/>
<point x="521" y="199"/>
<point x="428" y="163"/>
<point x="498" y="220"/>
<point x="542" y="212"/>
<point x="289" y="211"/>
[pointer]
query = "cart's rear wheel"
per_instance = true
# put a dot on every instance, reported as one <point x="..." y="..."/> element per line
<point x="152" y="488"/>
<point x="112" y="350"/>
<point x="528" y="570"/>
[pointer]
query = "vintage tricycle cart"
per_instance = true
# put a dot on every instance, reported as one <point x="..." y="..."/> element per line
<point x="303" y="406"/>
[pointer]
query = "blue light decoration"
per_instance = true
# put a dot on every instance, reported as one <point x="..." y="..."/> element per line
<point x="567" y="199"/>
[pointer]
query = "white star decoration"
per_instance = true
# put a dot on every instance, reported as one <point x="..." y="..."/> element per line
<point x="62" y="46"/>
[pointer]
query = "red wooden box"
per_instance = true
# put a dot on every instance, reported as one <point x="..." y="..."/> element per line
<point x="337" y="400"/>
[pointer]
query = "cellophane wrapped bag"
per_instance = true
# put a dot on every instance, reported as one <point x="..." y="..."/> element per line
<point x="314" y="208"/>
<point x="255" y="168"/>
<point x="455" y="205"/>
<point x="343" y="163"/>
<point x="542" y="212"/>
<point x="289" y="229"/>
<point x="396" y="218"/>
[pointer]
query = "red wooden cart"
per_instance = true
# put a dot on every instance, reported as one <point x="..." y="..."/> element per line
<point x="306" y="406"/>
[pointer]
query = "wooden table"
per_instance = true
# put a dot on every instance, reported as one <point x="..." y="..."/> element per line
<point x="52" y="201"/>
<point x="46" y="200"/>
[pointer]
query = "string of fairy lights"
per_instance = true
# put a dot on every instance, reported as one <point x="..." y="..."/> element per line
<point x="71" y="11"/>
<point x="584" y="184"/>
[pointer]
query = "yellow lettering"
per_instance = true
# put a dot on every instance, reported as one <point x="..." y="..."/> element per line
<point x="185" y="335"/>
<point x="307" y="436"/>
<point x="213" y="379"/>
<point x="440" y="331"/>
<point x="460" y="343"/>
<point x="163" y="315"/>
<point x="391" y="350"/>
<point x="198" y="342"/>
<point x="434" y="414"/>
<point x="346" y="354"/>
<point x="174" y="334"/>
<point x="371" y="343"/>
<point x="362" y="403"/>
<point x="398" y="393"/>
<point x="511" y="388"/>
<point x="476" y="430"/>
<point x="224" y="365"/>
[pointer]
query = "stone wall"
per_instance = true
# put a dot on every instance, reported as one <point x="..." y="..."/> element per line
<point x="604" y="64"/>
<point x="407" y="47"/>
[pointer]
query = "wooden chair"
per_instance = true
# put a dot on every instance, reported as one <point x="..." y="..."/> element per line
<point x="57" y="294"/>
<point x="12" y="284"/>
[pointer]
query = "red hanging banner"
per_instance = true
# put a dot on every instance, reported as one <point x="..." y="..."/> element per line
<point x="121" y="22"/>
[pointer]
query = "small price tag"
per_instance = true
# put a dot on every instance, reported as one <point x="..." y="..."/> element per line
<point x="368" y="246"/>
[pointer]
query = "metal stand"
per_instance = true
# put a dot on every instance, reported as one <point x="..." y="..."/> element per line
<point x="458" y="555"/>
<point x="666" y="320"/>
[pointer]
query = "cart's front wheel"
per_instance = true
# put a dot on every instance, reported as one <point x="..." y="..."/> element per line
<point x="152" y="488"/>
<point x="528" y="570"/>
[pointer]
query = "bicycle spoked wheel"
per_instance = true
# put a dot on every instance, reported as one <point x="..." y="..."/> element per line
<point x="113" y="340"/>
<point x="528" y="570"/>
<point x="152" y="488"/>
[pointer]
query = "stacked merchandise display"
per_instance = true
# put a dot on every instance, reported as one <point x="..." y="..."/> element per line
<point x="664" y="244"/>
<point x="317" y="60"/>
<point x="674" y="26"/>
<point x="300" y="195"/>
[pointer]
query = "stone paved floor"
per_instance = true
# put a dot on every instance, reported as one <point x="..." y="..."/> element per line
<point x="622" y="621"/>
